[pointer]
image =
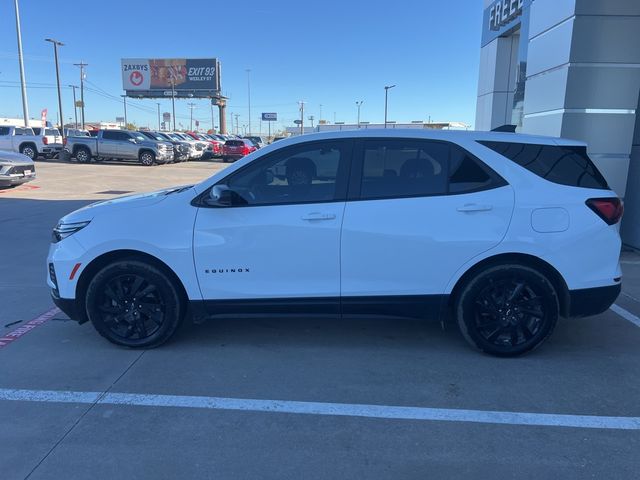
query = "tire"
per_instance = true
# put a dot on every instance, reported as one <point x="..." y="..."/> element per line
<point x="147" y="158"/>
<point x="225" y="159"/>
<point x="83" y="155"/>
<point x="30" y="151"/>
<point x="507" y="310"/>
<point x="134" y="304"/>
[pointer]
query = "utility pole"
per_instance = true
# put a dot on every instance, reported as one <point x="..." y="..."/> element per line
<point x="311" y="118"/>
<point x="56" y="44"/>
<point x="173" y="101"/>
<point x="237" y="128"/>
<point x="359" y="104"/>
<point x="213" y="125"/>
<point x="320" y="117"/>
<point x="249" y="96"/>
<point x="301" y="103"/>
<point x="386" y="94"/>
<point x="191" y="107"/>
<point x="158" y="104"/>
<point x="126" y="124"/>
<point x="23" y="83"/>
<point x="81" y="65"/>
<point x="75" y="110"/>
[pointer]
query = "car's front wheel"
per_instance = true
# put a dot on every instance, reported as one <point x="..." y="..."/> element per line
<point x="507" y="310"/>
<point x="134" y="304"/>
<point x="147" y="158"/>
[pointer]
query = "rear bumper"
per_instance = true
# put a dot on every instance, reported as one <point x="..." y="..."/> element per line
<point x="592" y="301"/>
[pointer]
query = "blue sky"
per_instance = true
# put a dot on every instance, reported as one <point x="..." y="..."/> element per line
<point x="323" y="52"/>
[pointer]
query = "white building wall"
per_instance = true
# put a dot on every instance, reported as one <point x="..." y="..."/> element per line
<point x="583" y="77"/>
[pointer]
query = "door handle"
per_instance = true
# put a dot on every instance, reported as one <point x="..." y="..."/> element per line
<point x="474" y="207"/>
<point x="319" y="216"/>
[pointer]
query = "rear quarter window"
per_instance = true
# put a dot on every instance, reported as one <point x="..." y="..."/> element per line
<point x="565" y="165"/>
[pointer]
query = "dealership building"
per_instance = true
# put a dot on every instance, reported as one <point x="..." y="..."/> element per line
<point x="568" y="68"/>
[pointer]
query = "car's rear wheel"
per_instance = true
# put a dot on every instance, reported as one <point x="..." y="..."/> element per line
<point x="147" y="158"/>
<point x="83" y="155"/>
<point x="134" y="304"/>
<point x="507" y="310"/>
<point x="30" y="151"/>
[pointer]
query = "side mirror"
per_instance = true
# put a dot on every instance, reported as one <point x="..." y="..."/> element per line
<point x="132" y="140"/>
<point x="221" y="196"/>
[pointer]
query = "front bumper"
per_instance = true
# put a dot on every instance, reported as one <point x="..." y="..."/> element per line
<point x="11" y="180"/>
<point x="164" y="156"/>
<point x="69" y="307"/>
<point x="592" y="301"/>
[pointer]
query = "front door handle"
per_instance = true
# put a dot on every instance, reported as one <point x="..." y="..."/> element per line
<point x="319" y="216"/>
<point x="474" y="207"/>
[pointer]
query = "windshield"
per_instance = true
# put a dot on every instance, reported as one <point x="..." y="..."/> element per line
<point x="52" y="131"/>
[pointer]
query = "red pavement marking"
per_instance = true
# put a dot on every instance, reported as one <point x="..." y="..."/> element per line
<point x="21" y="187"/>
<point x="27" y="327"/>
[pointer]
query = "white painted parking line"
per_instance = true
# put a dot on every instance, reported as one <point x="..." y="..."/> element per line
<point x="320" y="408"/>
<point x="626" y="314"/>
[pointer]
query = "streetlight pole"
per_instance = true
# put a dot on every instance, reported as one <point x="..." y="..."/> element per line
<point x="75" y="110"/>
<point x="237" y="128"/>
<point x="301" y="117"/>
<point x="359" y="104"/>
<point x="191" y="107"/>
<point x="320" y="117"/>
<point x="249" y="96"/>
<point x="126" y="124"/>
<point x="23" y="84"/>
<point x="386" y="95"/>
<point x="158" y="104"/>
<point x="56" y="44"/>
<point x="81" y="65"/>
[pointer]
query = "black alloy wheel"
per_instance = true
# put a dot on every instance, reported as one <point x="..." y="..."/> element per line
<point x="508" y="310"/>
<point x="133" y="304"/>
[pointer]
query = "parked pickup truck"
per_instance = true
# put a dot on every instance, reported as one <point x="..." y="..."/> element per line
<point x="49" y="141"/>
<point x="19" y="139"/>
<point x="119" y="145"/>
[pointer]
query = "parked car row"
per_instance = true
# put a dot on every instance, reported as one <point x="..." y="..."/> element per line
<point x="147" y="146"/>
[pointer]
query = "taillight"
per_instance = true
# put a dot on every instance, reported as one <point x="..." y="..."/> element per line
<point x="64" y="141"/>
<point x="45" y="140"/>
<point x="245" y="150"/>
<point x="608" y="209"/>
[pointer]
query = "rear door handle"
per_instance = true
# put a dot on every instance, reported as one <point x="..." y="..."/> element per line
<point x="319" y="216"/>
<point x="474" y="207"/>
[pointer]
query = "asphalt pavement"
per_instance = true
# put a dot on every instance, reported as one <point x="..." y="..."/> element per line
<point x="291" y="398"/>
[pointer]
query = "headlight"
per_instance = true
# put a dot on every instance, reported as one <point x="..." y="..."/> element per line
<point x="63" y="230"/>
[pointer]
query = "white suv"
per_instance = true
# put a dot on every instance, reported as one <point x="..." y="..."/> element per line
<point x="502" y="233"/>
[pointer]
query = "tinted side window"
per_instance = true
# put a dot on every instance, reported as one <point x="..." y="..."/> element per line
<point x="36" y="130"/>
<point x="304" y="174"/>
<point x="565" y="165"/>
<point x="468" y="174"/>
<point x="404" y="168"/>
<point x="109" y="135"/>
<point x="4" y="130"/>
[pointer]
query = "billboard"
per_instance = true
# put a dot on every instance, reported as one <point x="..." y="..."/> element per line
<point x="154" y="77"/>
<point x="269" y="116"/>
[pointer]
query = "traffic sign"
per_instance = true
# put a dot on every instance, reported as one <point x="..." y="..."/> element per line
<point x="269" y="117"/>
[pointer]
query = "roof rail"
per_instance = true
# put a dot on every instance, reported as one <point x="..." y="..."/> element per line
<point x="505" y="128"/>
